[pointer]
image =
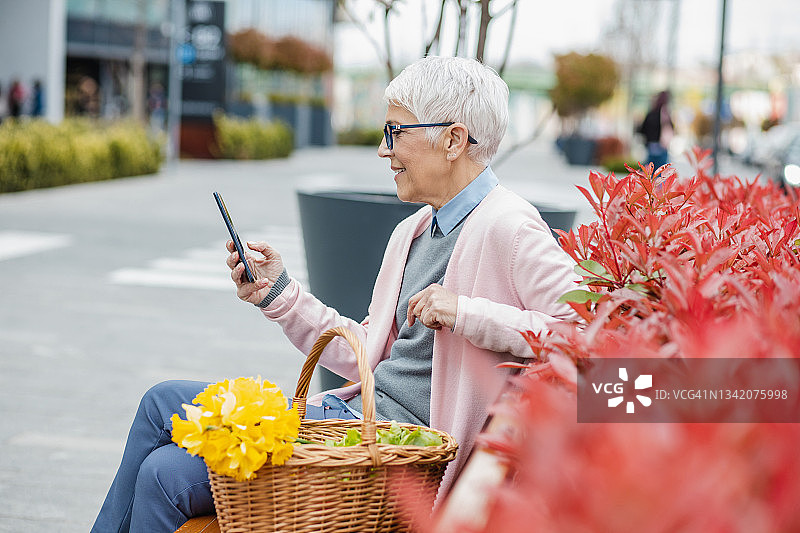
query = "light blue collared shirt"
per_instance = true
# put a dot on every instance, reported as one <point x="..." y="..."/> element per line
<point x="461" y="204"/>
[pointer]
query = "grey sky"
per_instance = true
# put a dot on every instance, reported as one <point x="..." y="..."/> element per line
<point x="545" y="27"/>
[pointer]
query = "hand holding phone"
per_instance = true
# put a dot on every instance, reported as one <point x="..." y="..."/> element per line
<point x="234" y="236"/>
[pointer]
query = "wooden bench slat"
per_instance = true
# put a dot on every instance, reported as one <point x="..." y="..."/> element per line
<point x="201" y="524"/>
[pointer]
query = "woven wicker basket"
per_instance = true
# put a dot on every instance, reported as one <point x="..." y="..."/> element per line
<point x="322" y="488"/>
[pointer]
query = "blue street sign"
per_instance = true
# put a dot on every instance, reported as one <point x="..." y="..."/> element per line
<point x="186" y="53"/>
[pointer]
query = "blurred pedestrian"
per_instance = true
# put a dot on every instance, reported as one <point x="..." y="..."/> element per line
<point x="658" y="129"/>
<point x="156" y="101"/>
<point x="3" y="106"/>
<point x="88" y="97"/>
<point x="37" y="99"/>
<point x="16" y="98"/>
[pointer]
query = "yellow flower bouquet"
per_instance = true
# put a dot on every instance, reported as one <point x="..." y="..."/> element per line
<point x="350" y="485"/>
<point x="236" y="426"/>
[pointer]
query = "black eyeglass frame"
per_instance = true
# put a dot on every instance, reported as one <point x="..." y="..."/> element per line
<point x="389" y="129"/>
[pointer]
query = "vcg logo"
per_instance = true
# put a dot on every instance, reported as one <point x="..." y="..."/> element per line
<point x="644" y="381"/>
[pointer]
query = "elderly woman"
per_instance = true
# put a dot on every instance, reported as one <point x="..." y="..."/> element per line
<point x="459" y="281"/>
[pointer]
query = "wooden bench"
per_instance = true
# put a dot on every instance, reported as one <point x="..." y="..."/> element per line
<point x="201" y="524"/>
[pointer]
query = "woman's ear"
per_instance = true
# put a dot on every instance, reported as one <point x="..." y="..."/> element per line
<point x="456" y="138"/>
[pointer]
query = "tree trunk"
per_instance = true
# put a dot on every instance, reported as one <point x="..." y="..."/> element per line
<point x="438" y="34"/>
<point x="511" y="28"/>
<point x="486" y="18"/>
<point x="462" y="26"/>
<point x="388" y="41"/>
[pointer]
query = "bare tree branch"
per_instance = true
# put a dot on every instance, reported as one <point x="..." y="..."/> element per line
<point x="383" y="55"/>
<point x="510" y="5"/>
<point x="498" y="160"/>
<point x="462" y="26"/>
<point x="363" y="28"/>
<point x="510" y="38"/>
<point x="438" y="34"/>
<point x="483" y="29"/>
<point x="387" y="38"/>
<point x="464" y="8"/>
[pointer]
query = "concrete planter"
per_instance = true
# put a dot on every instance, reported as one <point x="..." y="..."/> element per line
<point x="557" y="218"/>
<point x="345" y="235"/>
<point x="579" y="150"/>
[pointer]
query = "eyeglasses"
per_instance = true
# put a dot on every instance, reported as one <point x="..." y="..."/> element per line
<point x="390" y="129"/>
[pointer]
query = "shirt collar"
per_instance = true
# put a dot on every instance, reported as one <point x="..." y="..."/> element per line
<point x="451" y="213"/>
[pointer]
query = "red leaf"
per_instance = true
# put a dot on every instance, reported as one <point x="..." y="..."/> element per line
<point x="621" y="184"/>
<point x="597" y="185"/>
<point x="647" y="184"/>
<point x="589" y="197"/>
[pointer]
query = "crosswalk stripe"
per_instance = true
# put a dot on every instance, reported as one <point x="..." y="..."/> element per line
<point x="20" y="243"/>
<point x="172" y="279"/>
<point x="91" y="444"/>
<point x="205" y="268"/>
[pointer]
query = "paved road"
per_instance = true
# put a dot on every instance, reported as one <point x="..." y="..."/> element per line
<point x="108" y="288"/>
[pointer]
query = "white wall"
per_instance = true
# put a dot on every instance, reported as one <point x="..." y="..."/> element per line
<point x="33" y="44"/>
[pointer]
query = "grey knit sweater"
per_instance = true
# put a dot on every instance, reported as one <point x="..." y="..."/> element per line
<point x="403" y="381"/>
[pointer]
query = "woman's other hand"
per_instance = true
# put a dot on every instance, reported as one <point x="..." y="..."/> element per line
<point x="434" y="306"/>
<point x="265" y="268"/>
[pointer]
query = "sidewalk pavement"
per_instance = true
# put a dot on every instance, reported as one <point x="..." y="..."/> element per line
<point x="80" y="341"/>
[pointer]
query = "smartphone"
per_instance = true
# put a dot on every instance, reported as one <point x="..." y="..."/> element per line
<point x="236" y="242"/>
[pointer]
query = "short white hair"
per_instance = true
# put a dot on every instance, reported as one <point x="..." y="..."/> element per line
<point x="455" y="89"/>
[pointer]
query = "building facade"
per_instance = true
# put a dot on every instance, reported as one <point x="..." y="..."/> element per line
<point x="110" y="58"/>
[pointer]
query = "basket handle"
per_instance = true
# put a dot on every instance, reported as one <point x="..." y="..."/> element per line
<point x="364" y="372"/>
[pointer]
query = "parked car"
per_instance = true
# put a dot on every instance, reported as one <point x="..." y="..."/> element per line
<point x="783" y="163"/>
<point x="763" y="146"/>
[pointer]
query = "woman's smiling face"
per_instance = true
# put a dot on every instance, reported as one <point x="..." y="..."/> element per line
<point x="419" y="168"/>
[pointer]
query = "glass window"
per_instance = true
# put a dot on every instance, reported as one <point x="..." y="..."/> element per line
<point x="82" y="8"/>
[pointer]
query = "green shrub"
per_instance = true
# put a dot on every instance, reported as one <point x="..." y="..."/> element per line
<point x="360" y="136"/>
<point x="130" y="153"/>
<point x="252" y="138"/>
<point x="617" y="164"/>
<point x="36" y="154"/>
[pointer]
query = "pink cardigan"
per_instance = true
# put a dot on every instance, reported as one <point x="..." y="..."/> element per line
<point x="508" y="272"/>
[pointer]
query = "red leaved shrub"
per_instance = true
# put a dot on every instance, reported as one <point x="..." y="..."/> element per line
<point x="667" y="258"/>
<point x="286" y="53"/>
<point x="609" y="148"/>
<point x="704" y="267"/>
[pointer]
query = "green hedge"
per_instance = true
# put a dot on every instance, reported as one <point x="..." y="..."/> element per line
<point x="617" y="165"/>
<point x="35" y="153"/>
<point x="360" y="136"/>
<point x="239" y="138"/>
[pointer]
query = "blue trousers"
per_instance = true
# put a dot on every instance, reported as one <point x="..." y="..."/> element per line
<point x="657" y="154"/>
<point x="158" y="485"/>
